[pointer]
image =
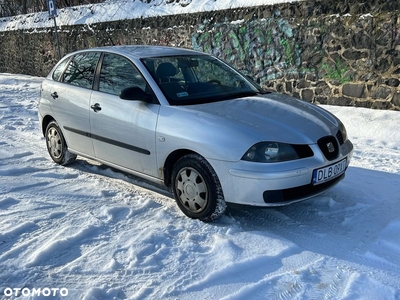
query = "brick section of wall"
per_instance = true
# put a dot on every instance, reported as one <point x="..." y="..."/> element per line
<point x="338" y="53"/>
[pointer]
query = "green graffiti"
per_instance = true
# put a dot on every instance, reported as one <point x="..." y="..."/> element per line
<point x="243" y="30"/>
<point x="218" y="39"/>
<point x="336" y="72"/>
<point x="269" y="37"/>
<point x="259" y="36"/>
<point x="287" y="50"/>
<point x="255" y="46"/>
<point x="237" y="45"/>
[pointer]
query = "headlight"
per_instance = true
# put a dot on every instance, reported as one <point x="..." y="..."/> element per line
<point x="344" y="132"/>
<point x="341" y="135"/>
<point x="268" y="152"/>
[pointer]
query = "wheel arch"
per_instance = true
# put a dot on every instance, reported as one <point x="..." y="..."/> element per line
<point x="172" y="158"/>
<point x="196" y="188"/>
<point x="46" y="120"/>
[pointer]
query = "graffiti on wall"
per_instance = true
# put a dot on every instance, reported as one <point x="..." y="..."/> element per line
<point x="264" y="47"/>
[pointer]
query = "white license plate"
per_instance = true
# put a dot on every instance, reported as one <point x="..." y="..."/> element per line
<point x="329" y="172"/>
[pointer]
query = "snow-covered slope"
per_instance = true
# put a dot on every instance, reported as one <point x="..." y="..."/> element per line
<point x="124" y="9"/>
<point x="101" y="234"/>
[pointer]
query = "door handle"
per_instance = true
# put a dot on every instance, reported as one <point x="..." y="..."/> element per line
<point x="54" y="95"/>
<point x="96" y="107"/>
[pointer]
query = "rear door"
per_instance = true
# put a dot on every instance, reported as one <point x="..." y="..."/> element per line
<point x="123" y="131"/>
<point x="71" y="96"/>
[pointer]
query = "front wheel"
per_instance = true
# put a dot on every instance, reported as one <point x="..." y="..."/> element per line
<point x="56" y="145"/>
<point x="197" y="189"/>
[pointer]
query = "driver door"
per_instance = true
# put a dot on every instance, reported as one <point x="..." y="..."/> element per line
<point x="123" y="131"/>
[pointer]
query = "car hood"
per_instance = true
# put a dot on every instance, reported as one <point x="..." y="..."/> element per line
<point x="270" y="117"/>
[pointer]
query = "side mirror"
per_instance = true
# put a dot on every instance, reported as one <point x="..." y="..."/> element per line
<point x="135" y="93"/>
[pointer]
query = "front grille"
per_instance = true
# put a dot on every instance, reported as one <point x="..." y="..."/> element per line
<point x="339" y="136"/>
<point x="303" y="151"/>
<point x="329" y="147"/>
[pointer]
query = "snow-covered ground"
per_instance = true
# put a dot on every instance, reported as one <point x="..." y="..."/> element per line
<point x="114" y="10"/>
<point x="102" y="234"/>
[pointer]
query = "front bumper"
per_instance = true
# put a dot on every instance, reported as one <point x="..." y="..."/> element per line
<point x="276" y="184"/>
<point x="295" y="194"/>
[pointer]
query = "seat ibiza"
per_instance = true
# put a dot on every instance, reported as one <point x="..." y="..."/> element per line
<point x="189" y="121"/>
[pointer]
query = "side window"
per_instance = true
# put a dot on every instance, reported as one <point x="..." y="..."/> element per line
<point x="60" y="68"/>
<point x="117" y="73"/>
<point x="81" y="69"/>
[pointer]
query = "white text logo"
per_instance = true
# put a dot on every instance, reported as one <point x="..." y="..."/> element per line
<point x="46" y="292"/>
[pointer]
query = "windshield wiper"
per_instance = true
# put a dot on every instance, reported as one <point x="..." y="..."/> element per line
<point x="239" y="95"/>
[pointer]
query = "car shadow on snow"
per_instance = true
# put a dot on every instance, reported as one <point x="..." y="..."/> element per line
<point x="357" y="217"/>
<point x="360" y="198"/>
<point x="94" y="167"/>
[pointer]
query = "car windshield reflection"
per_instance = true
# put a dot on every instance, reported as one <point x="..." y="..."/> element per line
<point x="198" y="79"/>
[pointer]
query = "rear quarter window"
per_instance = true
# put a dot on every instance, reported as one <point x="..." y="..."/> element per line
<point x="59" y="70"/>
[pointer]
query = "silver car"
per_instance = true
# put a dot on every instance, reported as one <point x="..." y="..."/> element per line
<point x="189" y="121"/>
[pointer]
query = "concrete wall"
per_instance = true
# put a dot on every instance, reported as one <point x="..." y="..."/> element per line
<point x="339" y="53"/>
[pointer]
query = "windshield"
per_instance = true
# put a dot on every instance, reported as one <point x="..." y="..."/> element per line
<point x="194" y="79"/>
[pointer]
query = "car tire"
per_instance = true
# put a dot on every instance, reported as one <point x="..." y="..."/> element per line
<point x="197" y="189"/>
<point x="56" y="145"/>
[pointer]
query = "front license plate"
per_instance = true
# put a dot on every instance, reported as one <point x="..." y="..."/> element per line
<point x="329" y="172"/>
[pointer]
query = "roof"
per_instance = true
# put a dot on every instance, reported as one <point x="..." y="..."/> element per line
<point x="140" y="51"/>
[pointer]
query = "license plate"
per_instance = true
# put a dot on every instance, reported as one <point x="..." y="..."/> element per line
<point x="329" y="172"/>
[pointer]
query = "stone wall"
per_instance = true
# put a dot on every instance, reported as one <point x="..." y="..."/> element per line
<point x="338" y="53"/>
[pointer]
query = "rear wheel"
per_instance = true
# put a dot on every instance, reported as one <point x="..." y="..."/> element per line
<point x="197" y="189"/>
<point x="56" y="145"/>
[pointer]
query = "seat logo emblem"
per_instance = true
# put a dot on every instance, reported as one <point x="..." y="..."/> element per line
<point x="331" y="147"/>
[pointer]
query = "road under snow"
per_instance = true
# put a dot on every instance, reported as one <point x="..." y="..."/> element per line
<point x="102" y="234"/>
